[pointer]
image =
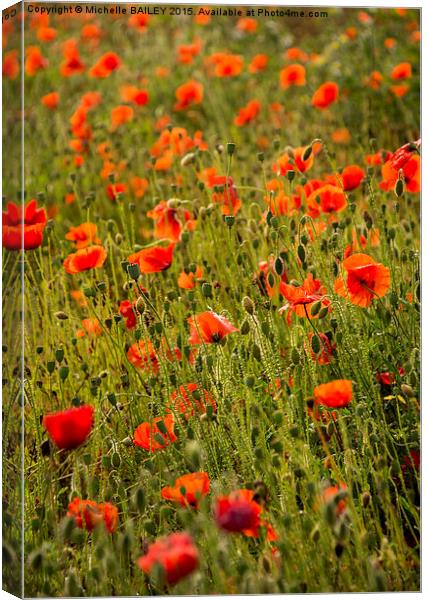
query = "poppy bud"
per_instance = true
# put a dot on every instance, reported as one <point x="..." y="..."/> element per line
<point x="261" y="156"/>
<point x="207" y="290"/>
<point x="399" y="187"/>
<point x="249" y="305"/>
<point x="323" y="312"/>
<point x="315" y="533"/>
<point x="245" y="327"/>
<point x="61" y="316"/>
<point x="231" y="148"/>
<point x="118" y="238"/>
<point x="256" y="352"/>
<point x="290" y="175"/>
<point x="307" y="153"/>
<point x="229" y="220"/>
<point x="366" y="498"/>
<point x="188" y="159"/>
<point x="407" y="390"/>
<point x="115" y="460"/>
<point x="133" y="271"/>
<point x="315" y="308"/>
<point x="295" y="356"/>
<point x="139" y="499"/>
<point x="63" y="373"/>
<point x="315" y="342"/>
<point x="301" y="253"/>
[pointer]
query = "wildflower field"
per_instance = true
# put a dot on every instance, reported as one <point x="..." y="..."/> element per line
<point x="219" y="246"/>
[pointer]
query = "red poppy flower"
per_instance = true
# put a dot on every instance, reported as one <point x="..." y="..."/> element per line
<point x="72" y="64"/>
<point x="388" y="378"/>
<point x="248" y="113"/>
<point x="402" y="71"/>
<point x="301" y="298"/>
<point x="263" y="278"/>
<point x="143" y="355"/>
<point x="10" y="67"/>
<point x="187" y="281"/>
<point x="31" y="224"/>
<point x="35" y="61"/>
<point x="50" y="100"/>
<point x="366" y="280"/>
<point x="225" y="65"/>
<point x="108" y="63"/>
<point x="403" y="155"/>
<point x="327" y="199"/>
<point x="238" y="512"/>
<point x="151" y="437"/>
<point x="91" y="327"/>
<point x="325" y="95"/>
<point x="351" y="177"/>
<point x="258" y="63"/>
<point x="120" y="115"/>
<point x="209" y="328"/>
<point x="292" y="75"/>
<point x="188" y="93"/>
<point x="291" y="160"/>
<point x="190" y="399"/>
<point x="154" y="259"/>
<point x="187" y="52"/>
<point x="70" y="428"/>
<point x="84" y="235"/>
<point x="167" y="226"/>
<point x="329" y="495"/>
<point x="88" y="514"/>
<point x="323" y="357"/>
<point x="335" y="394"/>
<point x="128" y="312"/>
<point x="176" y="554"/>
<point x="410" y="173"/>
<point x="114" y="189"/>
<point x="91" y="257"/>
<point x="188" y="489"/>
<point x="130" y="93"/>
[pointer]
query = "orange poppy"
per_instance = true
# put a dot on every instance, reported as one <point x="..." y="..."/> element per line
<point x="365" y="280"/>
<point x="139" y="21"/>
<point x="225" y="65"/>
<point x="139" y="186"/>
<point x="208" y="327"/>
<point x="330" y="493"/>
<point x="188" y="489"/>
<point x="91" y="257"/>
<point x="325" y="95"/>
<point x="402" y="71"/>
<point x="327" y="199"/>
<point x="167" y="225"/>
<point x="301" y="298"/>
<point x="374" y="80"/>
<point x="35" y="61"/>
<point x="294" y="158"/>
<point x="121" y="115"/>
<point x="341" y="135"/>
<point x="10" y="66"/>
<point x="23" y="227"/>
<point x="153" y="259"/>
<point x="51" y="100"/>
<point x="292" y="75"/>
<point x="190" y="399"/>
<point x="258" y="63"/>
<point x="88" y="514"/>
<point x="151" y="437"/>
<point x="248" y="113"/>
<point x="92" y="327"/>
<point x="240" y="513"/>
<point x="72" y="63"/>
<point x="83" y="235"/>
<point x="389" y="43"/>
<point x="187" y="94"/>
<point x="351" y="177"/>
<point x="79" y="297"/>
<point x="187" y="52"/>
<point x="114" y="189"/>
<point x="108" y="63"/>
<point x="410" y="173"/>
<point x="187" y="281"/>
<point x="130" y="93"/>
<point x="335" y="394"/>
<point x="399" y="90"/>
<point x="247" y="25"/>
<point x="143" y="355"/>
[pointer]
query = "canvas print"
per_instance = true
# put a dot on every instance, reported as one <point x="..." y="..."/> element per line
<point x="211" y="299"/>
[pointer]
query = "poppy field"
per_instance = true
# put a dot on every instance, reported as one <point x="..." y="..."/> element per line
<point x="219" y="246"/>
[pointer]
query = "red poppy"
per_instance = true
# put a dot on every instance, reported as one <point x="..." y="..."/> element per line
<point x="366" y="280"/>
<point x="293" y="158"/>
<point x="151" y="437"/>
<point x="258" y="63"/>
<point x="239" y="513"/>
<point x="188" y="489"/>
<point x="351" y="177"/>
<point x="131" y="93"/>
<point x="188" y="93"/>
<point x="327" y="199"/>
<point x="410" y="174"/>
<point x="301" y="298"/>
<point x="50" y="100"/>
<point x="176" y="554"/>
<point x="139" y="22"/>
<point x="187" y="281"/>
<point x="120" y="115"/>
<point x="91" y="327"/>
<point x="388" y="378"/>
<point x="292" y="75"/>
<point x="83" y="235"/>
<point x="128" y="312"/>
<point x="266" y="271"/>
<point x="70" y="428"/>
<point x="167" y="225"/>
<point x="248" y="113"/>
<point x="91" y="257"/>
<point x="402" y="71"/>
<point x="208" y="327"/>
<point x="403" y="155"/>
<point x="108" y="63"/>
<point x="114" y="189"/>
<point x="88" y="514"/>
<point x="35" y="61"/>
<point x="29" y="226"/>
<point x="335" y="394"/>
<point x="187" y="52"/>
<point x="72" y="64"/>
<point x="143" y="355"/>
<point x="190" y="399"/>
<point x="10" y="67"/>
<point x="225" y="65"/>
<point x="325" y="95"/>
<point x="329" y="496"/>
<point x="153" y="259"/>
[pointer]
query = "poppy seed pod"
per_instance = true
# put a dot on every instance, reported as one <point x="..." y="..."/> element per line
<point x="231" y="148"/>
<point x="249" y="305"/>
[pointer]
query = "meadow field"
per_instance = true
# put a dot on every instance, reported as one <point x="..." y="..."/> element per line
<point x="219" y="244"/>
